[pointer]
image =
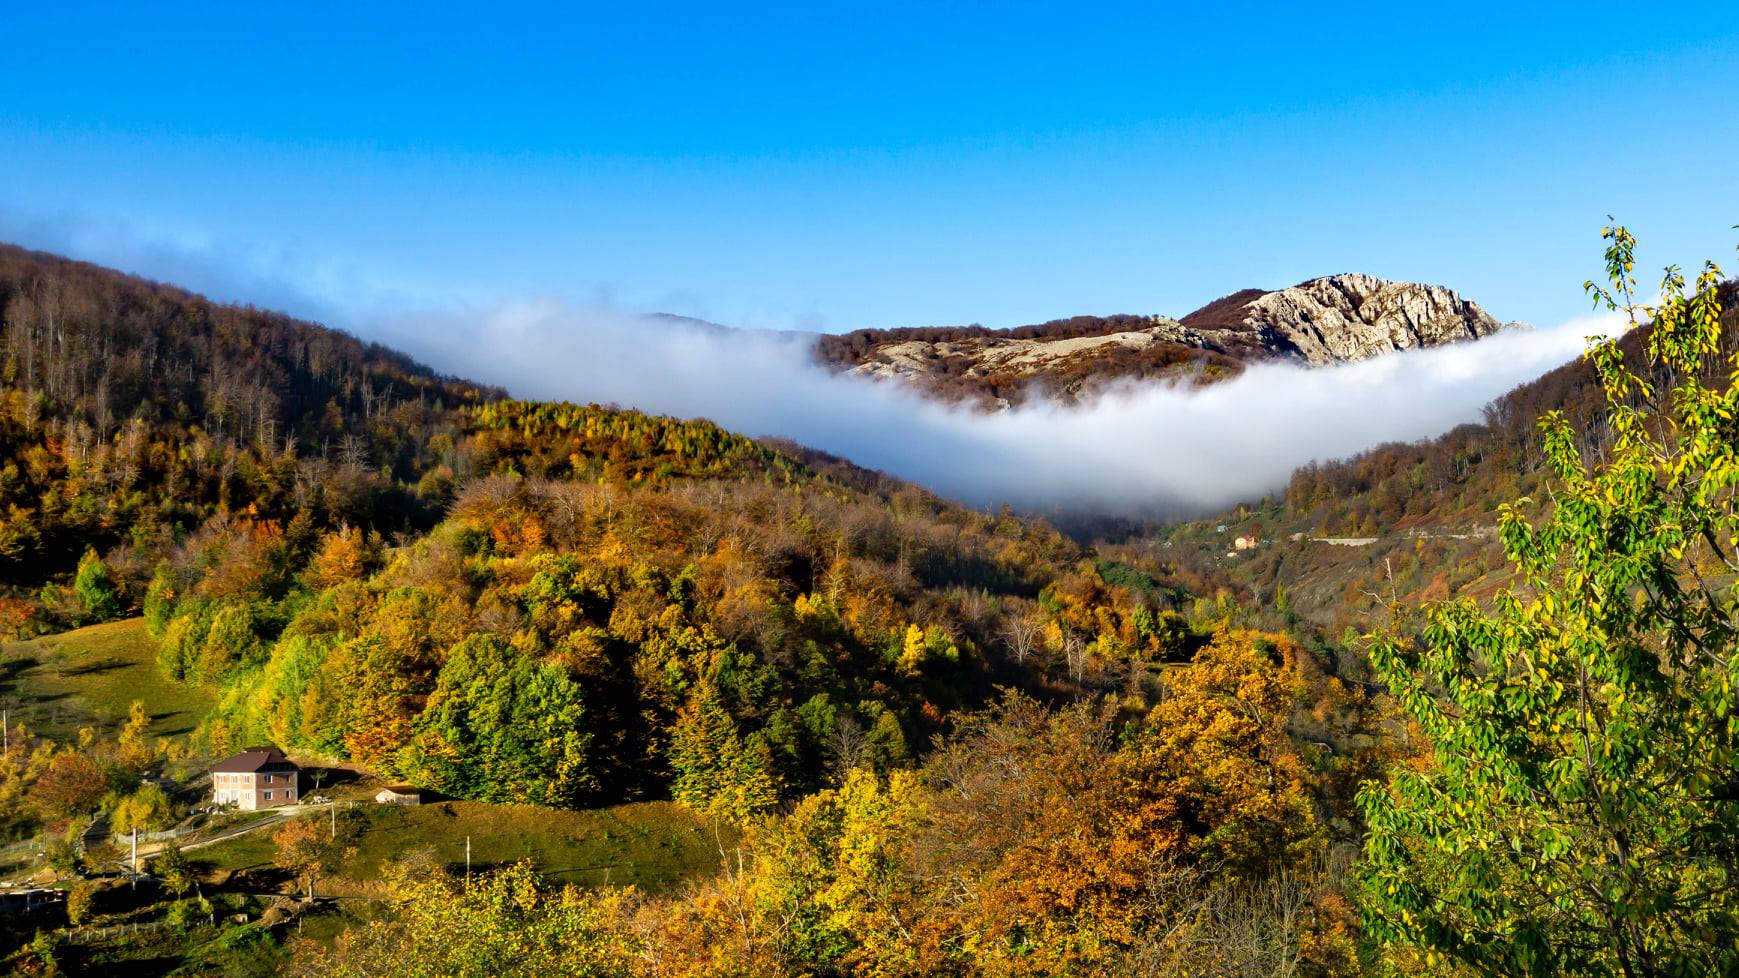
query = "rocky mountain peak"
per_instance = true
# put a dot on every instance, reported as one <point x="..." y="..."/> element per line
<point x="1341" y="318"/>
<point x="1328" y="320"/>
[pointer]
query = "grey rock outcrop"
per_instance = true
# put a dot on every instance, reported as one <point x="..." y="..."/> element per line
<point x="1337" y="319"/>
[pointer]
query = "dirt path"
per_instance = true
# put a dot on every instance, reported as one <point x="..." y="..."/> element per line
<point x="277" y="817"/>
<point x="96" y="834"/>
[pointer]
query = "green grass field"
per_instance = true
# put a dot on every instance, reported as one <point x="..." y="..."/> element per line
<point x="89" y="677"/>
<point x="653" y="845"/>
<point x="60" y="683"/>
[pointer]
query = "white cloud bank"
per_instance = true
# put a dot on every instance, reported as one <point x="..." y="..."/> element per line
<point x="1147" y="450"/>
<point x="1144" y="450"/>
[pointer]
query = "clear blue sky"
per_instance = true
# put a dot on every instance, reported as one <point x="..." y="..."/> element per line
<point x="834" y="166"/>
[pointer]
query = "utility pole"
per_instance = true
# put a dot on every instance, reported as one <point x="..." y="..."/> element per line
<point x="467" y="862"/>
<point x="332" y="808"/>
<point x="135" y="857"/>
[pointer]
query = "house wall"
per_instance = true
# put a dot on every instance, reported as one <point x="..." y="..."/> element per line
<point x="251" y="792"/>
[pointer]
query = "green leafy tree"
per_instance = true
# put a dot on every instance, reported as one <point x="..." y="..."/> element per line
<point x="79" y="901"/>
<point x="61" y="854"/>
<point x="172" y="866"/>
<point x="887" y="743"/>
<point x="508" y="924"/>
<point x="1578" y="810"/>
<point x="183" y="638"/>
<point x="147" y="810"/>
<point x="96" y="589"/>
<point x="43" y="955"/>
<point x="184" y="915"/>
<point x="232" y="643"/>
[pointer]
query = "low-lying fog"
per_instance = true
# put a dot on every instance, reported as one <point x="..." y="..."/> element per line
<point x="1146" y="450"/>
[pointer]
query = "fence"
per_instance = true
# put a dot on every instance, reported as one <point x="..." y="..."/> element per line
<point x="96" y="935"/>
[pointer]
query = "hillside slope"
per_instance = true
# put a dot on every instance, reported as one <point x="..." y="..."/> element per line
<point x="361" y="559"/>
<point x="1409" y="521"/>
<point x="1334" y="319"/>
<point x="131" y="410"/>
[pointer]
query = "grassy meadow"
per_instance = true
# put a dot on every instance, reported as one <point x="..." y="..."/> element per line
<point x="88" y="677"/>
<point x="652" y="845"/>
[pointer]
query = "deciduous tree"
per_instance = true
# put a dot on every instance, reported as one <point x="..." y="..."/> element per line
<point x="308" y="851"/>
<point x="1578" y="810"/>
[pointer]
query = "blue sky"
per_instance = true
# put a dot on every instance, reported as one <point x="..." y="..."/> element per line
<point x="836" y="166"/>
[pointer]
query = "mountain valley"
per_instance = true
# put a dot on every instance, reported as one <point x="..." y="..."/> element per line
<point x="576" y="621"/>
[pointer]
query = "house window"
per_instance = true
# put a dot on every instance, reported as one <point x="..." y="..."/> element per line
<point x="268" y="796"/>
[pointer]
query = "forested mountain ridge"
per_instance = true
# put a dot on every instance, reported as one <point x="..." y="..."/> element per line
<point x="1333" y="319"/>
<point x="312" y="520"/>
<point x="566" y="605"/>
<point x="131" y="407"/>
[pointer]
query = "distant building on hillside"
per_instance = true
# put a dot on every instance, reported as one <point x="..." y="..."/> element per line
<point x="1244" y="543"/>
<point x="258" y="777"/>
<point x="399" y="794"/>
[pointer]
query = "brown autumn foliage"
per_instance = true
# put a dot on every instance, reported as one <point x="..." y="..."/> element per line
<point x="414" y="573"/>
<point x="131" y="411"/>
<point x="73" y="784"/>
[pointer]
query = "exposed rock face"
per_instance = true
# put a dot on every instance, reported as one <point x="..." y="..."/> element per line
<point x="1341" y="318"/>
<point x="1335" y="319"/>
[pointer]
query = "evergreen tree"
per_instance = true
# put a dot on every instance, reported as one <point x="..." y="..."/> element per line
<point x="500" y="727"/>
<point x="713" y="770"/>
<point x="96" y="589"/>
<point x="160" y="598"/>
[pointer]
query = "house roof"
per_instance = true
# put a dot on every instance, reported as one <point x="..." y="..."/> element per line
<point x="253" y="759"/>
<point x="401" y="789"/>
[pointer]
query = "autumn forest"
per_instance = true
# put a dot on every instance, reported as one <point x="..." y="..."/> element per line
<point x="905" y="736"/>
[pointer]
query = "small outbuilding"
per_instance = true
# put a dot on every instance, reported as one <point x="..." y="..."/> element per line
<point x="399" y="794"/>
